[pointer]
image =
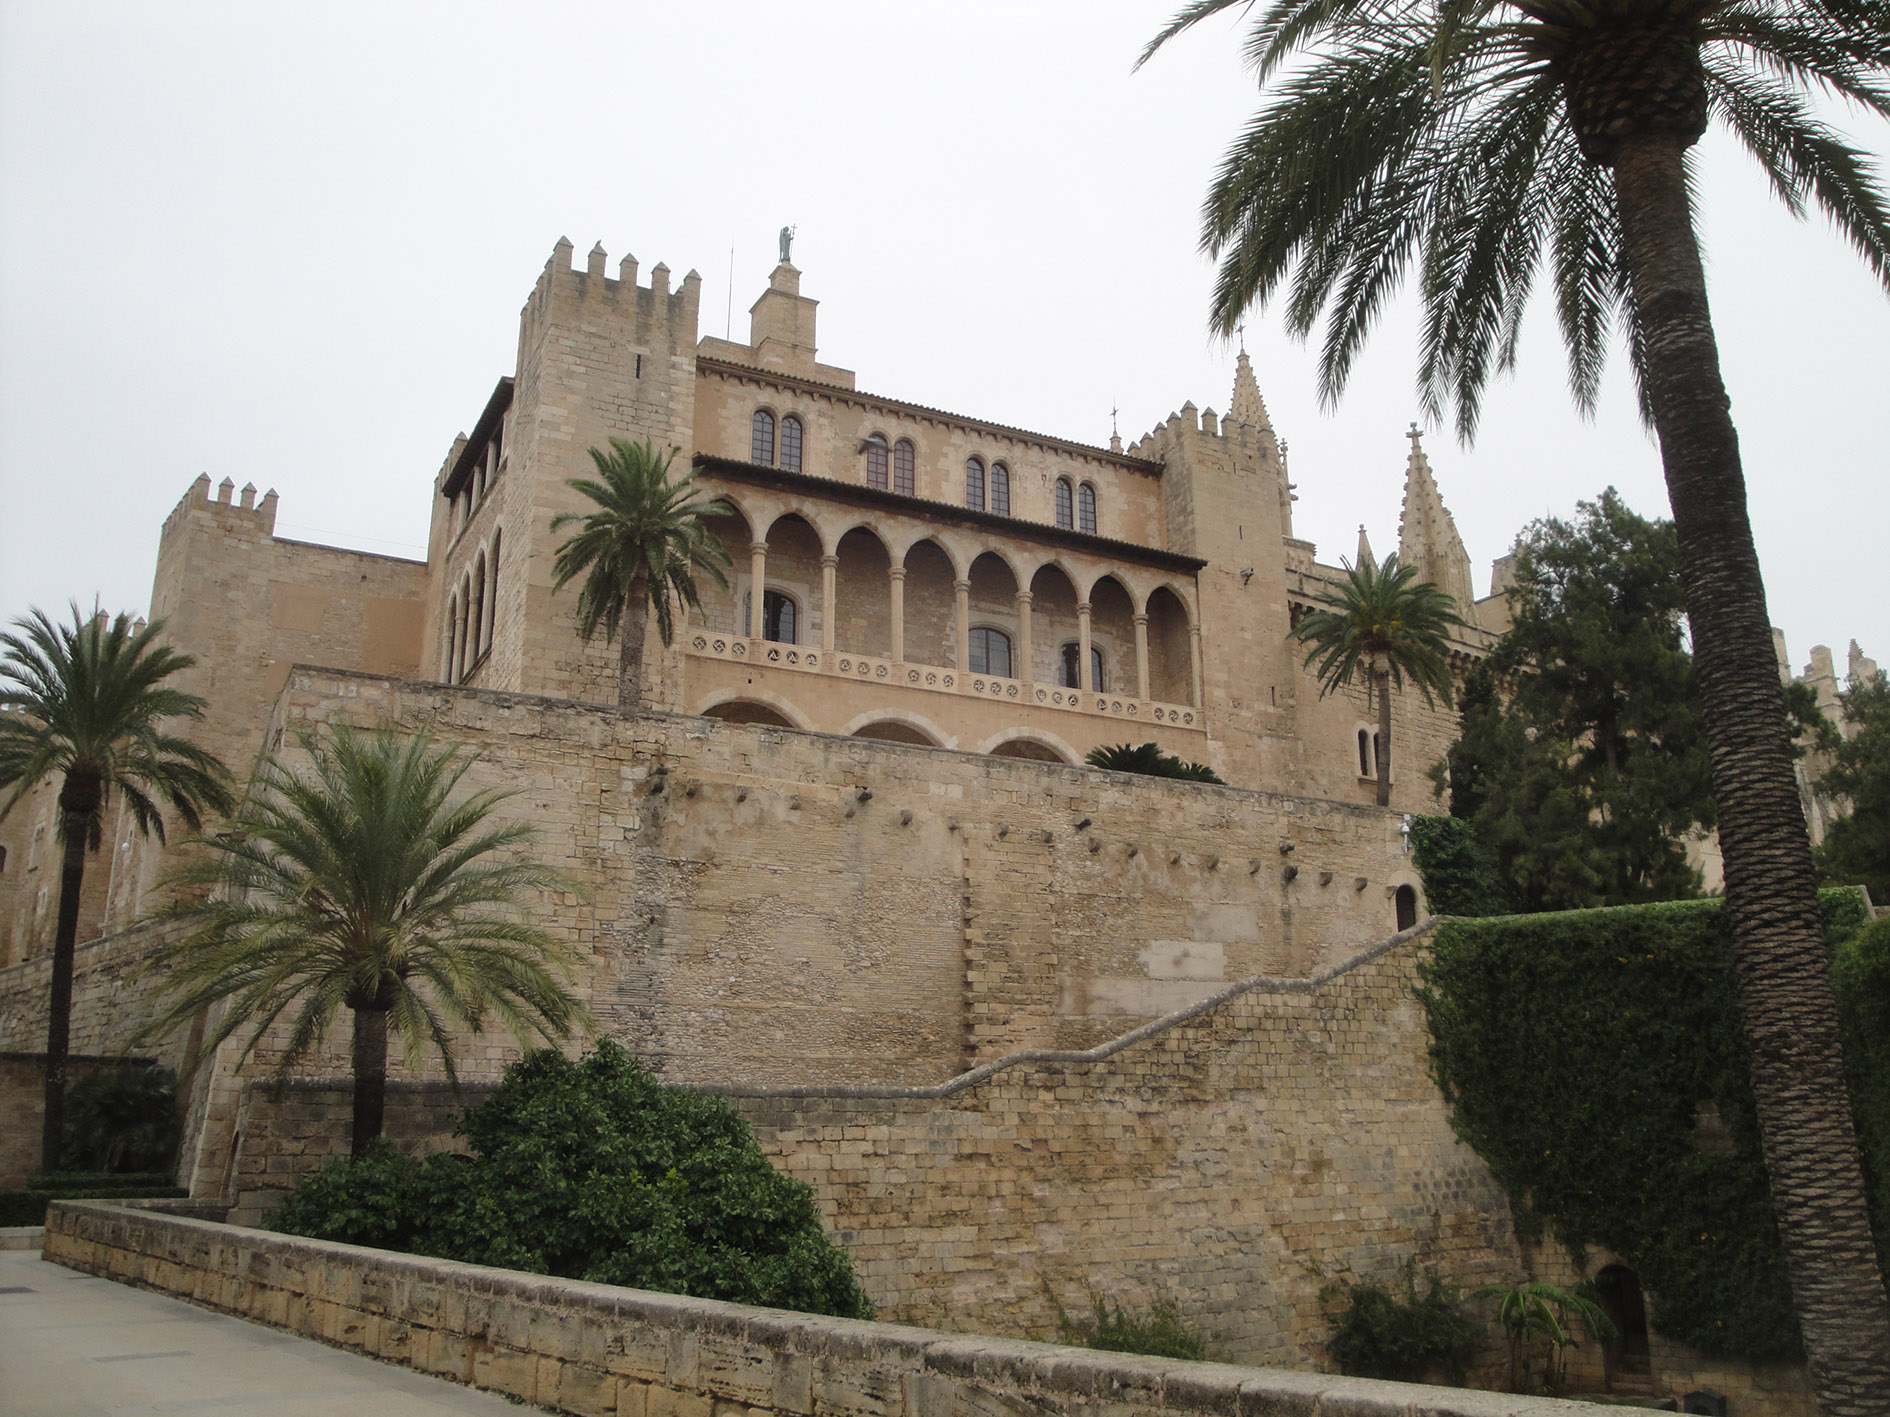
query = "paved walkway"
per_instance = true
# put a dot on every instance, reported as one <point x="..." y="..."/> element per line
<point x="75" y="1346"/>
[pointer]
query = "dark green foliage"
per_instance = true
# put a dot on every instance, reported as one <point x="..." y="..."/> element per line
<point x="1382" y="1335"/>
<point x="1582" y="784"/>
<point x="28" y="1207"/>
<point x="1150" y="761"/>
<point x="98" y="1180"/>
<point x="1860" y="968"/>
<point x="1576" y="1051"/>
<point x="122" y="1120"/>
<point x="1112" y="1329"/>
<point x="1856" y="850"/>
<point x="1460" y="875"/>
<point x="594" y="1170"/>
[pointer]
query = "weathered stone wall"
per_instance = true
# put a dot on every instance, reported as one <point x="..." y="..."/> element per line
<point x="600" y="1351"/>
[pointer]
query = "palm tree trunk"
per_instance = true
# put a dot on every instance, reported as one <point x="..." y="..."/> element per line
<point x="1785" y="991"/>
<point x="631" y="634"/>
<point x="370" y="1075"/>
<point x="1381" y="750"/>
<point x="76" y="824"/>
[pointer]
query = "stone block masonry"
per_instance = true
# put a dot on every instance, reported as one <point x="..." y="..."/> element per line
<point x="600" y="1351"/>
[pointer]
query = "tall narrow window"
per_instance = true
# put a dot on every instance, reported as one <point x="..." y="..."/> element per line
<point x="876" y="462"/>
<point x="990" y="652"/>
<point x="492" y="588"/>
<point x="790" y="444"/>
<point x="905" y="460"/>
<point x="476" y="635"/>
<point x="1000" y="489"/>
<point x="1364" y="753"/>
<point x="1066" y="510"/>
<point x="452" y="638"/>
<point x="1072" y="652"/>
<point x="1086" y="509"/>
<point x="761" y="438"/>
<point x="974" y="484"/>
<point x="778" y="615"/>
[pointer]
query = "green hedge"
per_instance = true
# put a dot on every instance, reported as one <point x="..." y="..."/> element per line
<point x="1576" y="1050"/>
<point x="1460" y="875"/>
<point x="28" y="1207"/>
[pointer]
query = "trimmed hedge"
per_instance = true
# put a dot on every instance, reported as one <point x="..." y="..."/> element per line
<point x="1584" y="1055"/>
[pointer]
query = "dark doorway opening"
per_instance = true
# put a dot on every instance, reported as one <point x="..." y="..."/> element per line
<point x="1407" y="907"/>
<point x="1619" y="1289"/>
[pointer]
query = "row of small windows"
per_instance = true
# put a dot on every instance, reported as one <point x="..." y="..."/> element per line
<point x="893" y="467"/>
<point x="990" y="648"/>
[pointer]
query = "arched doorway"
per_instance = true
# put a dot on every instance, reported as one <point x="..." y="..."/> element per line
<point x="1619" y="1289"/>
<point x="1406" y="899"/>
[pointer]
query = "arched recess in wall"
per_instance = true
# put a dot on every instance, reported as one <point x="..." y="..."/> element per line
<point x="993" y="607"/>
<point x="1032" y="748"/>
<point x="861" y="598"/>
<point x="451" y="638"/>
<point x="1405" y="902"/>
<point x="1170" y="659"/>
<point x="794" y="571"/>
<point x="931" y="606"/>
<point x="1112" y="631"/>
<point x="896" y="730"/>
<point x="722" y="605"/>
<point x="746" y="710"/>
<point x="1053" y="622"/>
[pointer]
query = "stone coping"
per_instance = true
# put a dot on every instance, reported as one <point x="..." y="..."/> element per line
<point x="601" y="1351"/>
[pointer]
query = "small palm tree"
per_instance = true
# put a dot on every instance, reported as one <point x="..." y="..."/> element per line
<point x="362" y="882"/>
<point x="87" y="702"/>
<point x="1533" y="1312"/>
<point x="1394" y="625"/>
<point x="645" y="543"/>
<point x="1150" y="761"/>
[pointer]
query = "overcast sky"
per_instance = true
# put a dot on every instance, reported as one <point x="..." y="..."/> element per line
<point x="288" y="244"/>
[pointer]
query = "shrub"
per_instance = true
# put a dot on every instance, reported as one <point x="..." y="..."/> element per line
<point x="124" y="1119"/>
<point x="1580" y="1052"/>
<point x="1459" y="873"/>
<point x="1380" y="1335"/>
<point x="1160" y="1333"/>
<point x="594" y="1170"/>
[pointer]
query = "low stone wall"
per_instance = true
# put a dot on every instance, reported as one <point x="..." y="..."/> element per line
<point x="600" y="1351"/>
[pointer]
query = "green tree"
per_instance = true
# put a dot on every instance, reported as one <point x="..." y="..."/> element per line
<point x="1583" y="781"/>
<point x="1856" y="850"/>
<point x="87" y="702"/>
<point x="1384" y="620"/>
<point x="645" y="543"/>
<point x="364" y="882"/>
<point x="1475" y="143"/>
<point x="1150" y="761"/>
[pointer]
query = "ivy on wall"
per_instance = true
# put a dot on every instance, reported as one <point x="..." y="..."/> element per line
<point x="1595" y="1060"/>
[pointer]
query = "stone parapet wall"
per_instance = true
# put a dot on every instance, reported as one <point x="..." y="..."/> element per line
<point x="600" y="1351"/>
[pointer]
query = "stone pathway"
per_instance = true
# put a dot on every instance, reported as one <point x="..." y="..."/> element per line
<point x="75" y="1346"/>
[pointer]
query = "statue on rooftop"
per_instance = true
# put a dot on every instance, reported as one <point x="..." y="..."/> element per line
<point x="787" y="240"/>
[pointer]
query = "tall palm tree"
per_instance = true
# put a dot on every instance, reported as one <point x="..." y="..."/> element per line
<point x="364" y="882"/>
<point x="644" y="544"/>
<point x="1385" y="620"/>
<point x="1473" y="142"/>
<point x="87" y="701"/>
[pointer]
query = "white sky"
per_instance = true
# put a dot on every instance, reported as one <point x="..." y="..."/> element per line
<point x="288" y="245"/>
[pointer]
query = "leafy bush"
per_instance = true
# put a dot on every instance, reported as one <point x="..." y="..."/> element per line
<point x="1459" y="873"/>
<point x="594" y="1170"/>
<point x="1577" y="1051"/>
<point x="1379" y="1335"/>
<point x="1112" y="1329"/>
<point x="1150" y="761"/>
<point x="123" y="1119"/>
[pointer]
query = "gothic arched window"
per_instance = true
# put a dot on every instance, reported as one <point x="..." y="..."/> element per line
<point x="876" y="459"/>
<point x="974" y="484"/>
<point x="761" y="438"/>
<point x="990" y="652"/>
<point x="791" y="444"/>
<point x="1086" y="509"/>
<point x="1000" y="489"/>
<point x="1072" y="652"/>
<point x="1066" y="510"/>
<point x="905" y="460"/>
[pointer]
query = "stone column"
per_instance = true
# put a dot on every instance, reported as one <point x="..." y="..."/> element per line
<point x="1083" y="674"/>
<point x="1194" y="665"/>
<point x="828" y="566"/>
<point x="1141" y="656"/>
<point x="896" y="588"/>
<point x="1022" y="669"/>
<point x="757" y="588"/>
<point x="963" y="591"/>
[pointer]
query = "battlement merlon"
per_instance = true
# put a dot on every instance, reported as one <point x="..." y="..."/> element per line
<point x="198" y="501"/>
<point x="668" y="316"/>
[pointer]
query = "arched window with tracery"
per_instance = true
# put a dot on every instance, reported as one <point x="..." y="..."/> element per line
<point x="1000" y="489"/>
<point x="1066" y="509"/>
<point x="990" y="651"/>
<point x="778" y="615"/>
<point x="876" y="460"/>
<point x="761" y="438"/>
<point x="1086" y="509"/>
<point x="974" y="484"/>
<point x="791" y="440"/>
<point x="905" y="463"/>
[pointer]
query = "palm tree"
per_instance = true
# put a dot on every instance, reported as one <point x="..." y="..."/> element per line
<point x="1475" y="141"/>
<point x="643" y="544"/>
<point x="87" y="702"/>
<point x="363" y="882"/>
<point x="1394" y="625"/>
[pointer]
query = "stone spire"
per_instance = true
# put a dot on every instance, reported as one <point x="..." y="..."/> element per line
<point x="1248" y="406"/>
<point x="1427" y="533"/>
<point x="1365" y="557"/>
